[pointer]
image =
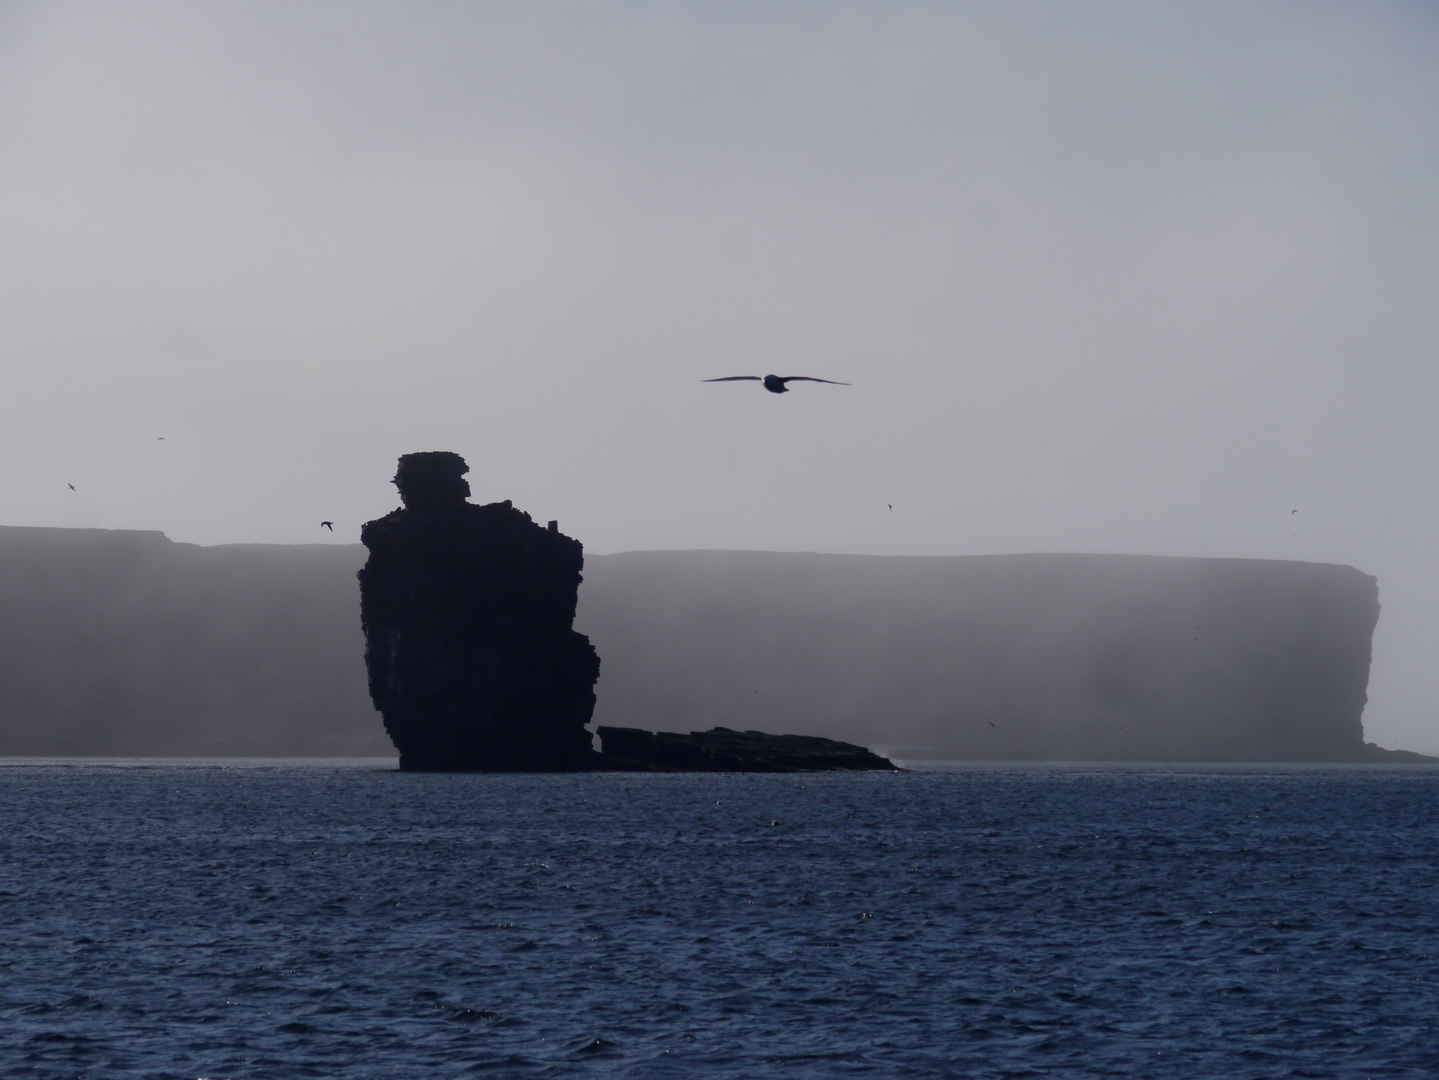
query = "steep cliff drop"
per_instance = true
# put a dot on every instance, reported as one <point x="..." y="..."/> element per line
<point x="467" y="613"/>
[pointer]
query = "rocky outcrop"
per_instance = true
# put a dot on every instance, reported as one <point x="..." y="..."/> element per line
<point x="723" y="750"/>
<point x="467" y="614"/>
<point x="1374" y="754"/>
<point x="472" y="660"/>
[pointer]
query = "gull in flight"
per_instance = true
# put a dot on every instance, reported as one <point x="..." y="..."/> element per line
<point x="328" y="525"/>
<point x="775" y="384"/>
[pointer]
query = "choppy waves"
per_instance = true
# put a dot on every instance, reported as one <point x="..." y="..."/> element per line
<point x="325" y="920"/>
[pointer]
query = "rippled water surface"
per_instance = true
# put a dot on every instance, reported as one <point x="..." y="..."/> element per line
<point x="342" y="920"/>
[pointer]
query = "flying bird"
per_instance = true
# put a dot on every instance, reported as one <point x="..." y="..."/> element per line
<point x="70" y="486"/>
<point x="775" y="384"/>
<point x="328" y="525"/>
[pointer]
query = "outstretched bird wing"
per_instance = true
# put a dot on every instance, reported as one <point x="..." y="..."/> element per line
<point x="737" y="378"/>
<point x="809" y="378"/>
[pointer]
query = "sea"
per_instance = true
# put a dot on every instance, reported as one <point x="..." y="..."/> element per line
<point x="288" y="919"/>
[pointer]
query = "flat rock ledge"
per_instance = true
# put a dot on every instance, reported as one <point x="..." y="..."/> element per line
<point x="1373" y="753"/>
<point x="723" y="750"/>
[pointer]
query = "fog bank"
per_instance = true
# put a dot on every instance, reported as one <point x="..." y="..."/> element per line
<point x="124" y="643"/>
<point x="1057" y="657"/>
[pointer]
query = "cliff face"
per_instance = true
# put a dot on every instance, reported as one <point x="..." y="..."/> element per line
<point x="126" y="643"/>
<point x="1063" y="657"/>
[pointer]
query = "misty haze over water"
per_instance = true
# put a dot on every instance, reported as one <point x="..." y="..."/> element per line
<point x="116" y="642"/>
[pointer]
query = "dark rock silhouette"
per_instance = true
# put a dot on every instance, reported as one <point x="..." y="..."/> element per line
<point x="723" y="750"/>
<point x="467" y="613"/>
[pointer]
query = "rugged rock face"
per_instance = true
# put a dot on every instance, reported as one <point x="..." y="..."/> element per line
<point x="723" y="750"/>
<point x="467" y="613"/>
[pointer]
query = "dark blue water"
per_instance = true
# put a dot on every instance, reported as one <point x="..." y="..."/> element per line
<point x="327" y="920"/>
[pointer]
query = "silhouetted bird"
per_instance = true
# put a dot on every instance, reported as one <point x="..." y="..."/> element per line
<point x="328" y="525"/>
<point x="775" y="384"/>
<point x="890" y="505"/>
<point x="991" y="724"/>
<point x="70" y="486"/>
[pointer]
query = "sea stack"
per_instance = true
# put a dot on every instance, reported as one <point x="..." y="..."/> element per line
<point x="467" y="612"/>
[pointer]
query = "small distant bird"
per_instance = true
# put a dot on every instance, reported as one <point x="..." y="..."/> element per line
<point x="1294" y="511"/>
<point x="70" y="486"/>
<point x="159" y="438"/>
<point x="890" y="505"/>
<point x="991" y="724"/>
<point x="775" y="384"/>
<point x="328" y="525"/>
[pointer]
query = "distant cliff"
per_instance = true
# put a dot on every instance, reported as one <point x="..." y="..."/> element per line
<point x="1059" y="657"/>
<point x="124" y="643"/>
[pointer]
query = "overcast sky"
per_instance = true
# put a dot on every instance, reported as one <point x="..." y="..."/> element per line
<point x="1105" y="277"/>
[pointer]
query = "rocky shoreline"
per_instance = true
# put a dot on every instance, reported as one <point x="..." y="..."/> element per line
<point x="723" y="750"/>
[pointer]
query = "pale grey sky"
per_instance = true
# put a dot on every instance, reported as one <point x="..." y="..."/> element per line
<point x="1105" y="277"/>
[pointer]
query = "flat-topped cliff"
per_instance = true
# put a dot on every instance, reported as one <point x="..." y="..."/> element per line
<point x="124" y="643"/>
<point x="1059" y="657"/>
